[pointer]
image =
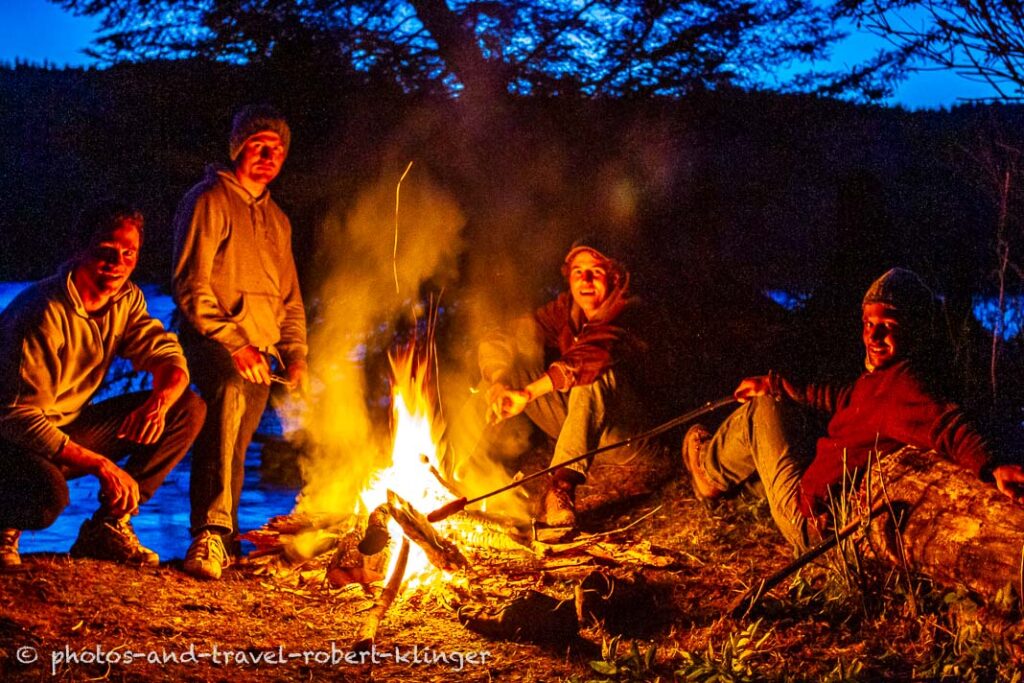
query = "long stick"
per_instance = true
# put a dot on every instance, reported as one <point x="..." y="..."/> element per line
<point x="753" y="596"/>
<point x="459" y="504"/>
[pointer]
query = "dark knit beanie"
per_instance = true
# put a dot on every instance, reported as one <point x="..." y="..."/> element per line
<point x="903" y="291"/>
<point x="253" y="119"/>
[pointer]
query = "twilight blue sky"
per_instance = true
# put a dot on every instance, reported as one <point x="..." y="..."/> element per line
<point x="38" y="31"/>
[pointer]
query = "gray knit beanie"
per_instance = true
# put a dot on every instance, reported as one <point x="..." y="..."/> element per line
<point x="903" y="291"/>
<point x="256" y="118"/>
<point x="588" y="243"/>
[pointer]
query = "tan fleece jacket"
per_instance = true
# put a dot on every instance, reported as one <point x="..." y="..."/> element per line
<point x="54" y="356"/>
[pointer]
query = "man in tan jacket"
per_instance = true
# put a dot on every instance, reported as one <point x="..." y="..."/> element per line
<point x="57" y="341"/>
<point x="240" y="310"/>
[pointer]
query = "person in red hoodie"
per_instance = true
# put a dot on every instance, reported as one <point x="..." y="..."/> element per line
<point x="895" y="402"/>
<point x="568" y="368"/>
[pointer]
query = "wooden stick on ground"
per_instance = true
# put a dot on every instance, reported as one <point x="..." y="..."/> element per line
<point x="369" y="630"/>
<point x="749" y="600"/>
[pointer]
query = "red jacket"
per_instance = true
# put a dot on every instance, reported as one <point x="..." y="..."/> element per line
<point x="879" y="413"/>
<point x="576" y="350"/>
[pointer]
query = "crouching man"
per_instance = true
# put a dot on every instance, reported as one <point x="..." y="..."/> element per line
<point x="568" y="367"/>
<point x="897" y="401"/>
<point x="57" y="341"/>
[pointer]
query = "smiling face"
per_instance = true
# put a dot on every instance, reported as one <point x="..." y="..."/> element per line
<point x="588" y="281"/>
<point x="260" y="160"/>
<point x="884" y="336"/>
<point x="107" y="263"/>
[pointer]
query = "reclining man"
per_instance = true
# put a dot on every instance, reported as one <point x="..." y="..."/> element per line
<point x="568" y="367"/>
<point x="57" y="341"/>
<point x="896" y="402"/>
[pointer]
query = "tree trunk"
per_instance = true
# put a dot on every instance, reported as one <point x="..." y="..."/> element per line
<point x="481" y="78"/>
<point x="953" y="528"/>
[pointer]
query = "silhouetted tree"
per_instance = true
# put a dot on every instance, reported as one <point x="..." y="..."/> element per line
<point x="980" y="39"/>
<point x="606" y="47"/>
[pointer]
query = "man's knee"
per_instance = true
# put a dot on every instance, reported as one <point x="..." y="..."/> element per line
<point x="596" y="395"/>
<point x="189" y="410"/>
<point x="39" y="502"/>
<point x="52" y="507"/>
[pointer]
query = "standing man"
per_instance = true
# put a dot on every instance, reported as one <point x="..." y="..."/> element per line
<point x="57" y="341"/>
<point x="240" y="310"/>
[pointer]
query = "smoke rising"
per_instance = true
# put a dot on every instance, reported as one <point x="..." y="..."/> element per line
<point x="357" y="308"/>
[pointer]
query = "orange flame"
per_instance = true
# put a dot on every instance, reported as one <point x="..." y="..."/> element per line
<point x="417" y="429"/>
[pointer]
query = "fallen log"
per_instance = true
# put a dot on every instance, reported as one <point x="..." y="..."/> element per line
<point x="951" y="527"/>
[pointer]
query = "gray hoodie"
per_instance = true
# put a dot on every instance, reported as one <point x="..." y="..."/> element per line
<point x="234" y="277"/>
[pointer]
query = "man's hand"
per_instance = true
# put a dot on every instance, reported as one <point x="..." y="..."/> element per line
<point x="751" y="387"/>
<point x="252" y="365"/>
<point x="119" y="493"/>
<point x="506" y="403"/>
<point x="1010" y="481"/>
<point x="145" y="424"/>
<point x="298" y="378"/>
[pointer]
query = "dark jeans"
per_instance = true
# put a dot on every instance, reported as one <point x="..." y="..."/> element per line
<point x="234" y="408"/>
<point x="34" y="490"/>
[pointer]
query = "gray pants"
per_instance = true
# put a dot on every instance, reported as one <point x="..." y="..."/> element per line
<point x="234" y="407"/>
<point x="582" y="419"/>
<point x="768" y="439"/>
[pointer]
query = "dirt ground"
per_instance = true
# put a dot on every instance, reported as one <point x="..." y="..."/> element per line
<point x="69" y="619"/>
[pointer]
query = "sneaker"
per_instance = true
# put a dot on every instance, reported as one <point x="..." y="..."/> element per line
<point x="113" y="539"/>
<point x="696" y="438"/>
<point x="207" y="556"/>
<point x="559" y="505"/>
<point x="9" y="555"/>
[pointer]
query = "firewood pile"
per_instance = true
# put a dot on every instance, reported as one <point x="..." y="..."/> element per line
<point x="322" y="551"/>
<point x="483" y="561"/>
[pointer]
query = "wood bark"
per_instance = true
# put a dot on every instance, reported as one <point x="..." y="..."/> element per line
<point x="441" y="552"/>
<point x="952" y="527"/>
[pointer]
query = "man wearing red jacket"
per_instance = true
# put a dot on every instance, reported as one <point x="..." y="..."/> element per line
<point x="567" y="367"/>
<point x="895" y="402"/>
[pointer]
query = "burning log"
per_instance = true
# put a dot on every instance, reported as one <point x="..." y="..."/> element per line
<point x="350" y="565"/>
<point x="373" y="618"/>
<point x="441" y="552"/>
<point x="951" y="527"/>
<point x="376" y="537"/>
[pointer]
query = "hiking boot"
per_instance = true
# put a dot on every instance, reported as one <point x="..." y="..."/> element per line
<point x="207" y="556"/>
<point x="559" y="504"/>
<point x="9" y="555"/>
<point x="113" y="539"/>
<point x="697" y="437"/>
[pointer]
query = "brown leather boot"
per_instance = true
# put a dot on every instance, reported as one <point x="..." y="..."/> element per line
<point x="695" y="440"/>
<point x="560" y="499"/>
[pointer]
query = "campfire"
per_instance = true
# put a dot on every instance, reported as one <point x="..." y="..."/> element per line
<point x="386" y="550"/>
